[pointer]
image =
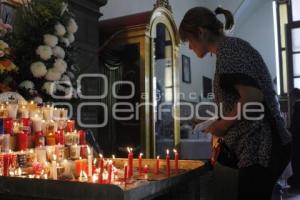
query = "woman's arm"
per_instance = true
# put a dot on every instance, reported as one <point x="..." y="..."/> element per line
<point x="247" y="94"/>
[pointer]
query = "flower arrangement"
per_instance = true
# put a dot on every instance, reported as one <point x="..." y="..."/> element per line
<point x="44" y="37"/>
<point x="7" y="67"/>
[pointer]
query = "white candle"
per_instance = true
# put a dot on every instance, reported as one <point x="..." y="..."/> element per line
<point x="36" y="123"/>
<point x="54" y="168"/>
<point x="67" y="167"/>
<point x="90" y="160"/>
<point x="12" y="109"/>
<point x="75" y="151"/>
<point x="48" y="112"/>
<point x="40" y="154"/>
<point x="56" y="114"/>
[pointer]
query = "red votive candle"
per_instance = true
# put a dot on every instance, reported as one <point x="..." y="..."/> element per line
<point x="70" y="126"/>
<point x="59" y="137"/>
<point x="6" y="164"/>
<point x="140" y="163"/>
<point x="82" y="137"/>
<point x="157" y="165"/>
<point x="8" y="125"/>
<point x="39" y="139"/>
<point x="125" y="172"/>
<point x="168" y="162"/>
<point x="176" y="160"/>
<point x="22" y="141"/>
<point x="130" y="162"/>
<point x="26" y="122"/>
<point x="109" y="172"/>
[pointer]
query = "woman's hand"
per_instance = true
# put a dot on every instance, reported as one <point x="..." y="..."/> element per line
<point x="216" y="129"/>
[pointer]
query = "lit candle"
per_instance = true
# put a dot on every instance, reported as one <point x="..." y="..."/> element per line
<point x="94" y="178"/>
<point x="101" y="166"/>
<point x="48" y="112"/>
<point x="140" y="163"/>
<point x="113" y="159"/>
<point x="8" y="125"/>
<point x="125" y="172"/>
<point x="109" y="171"/>
<point x="80" y="165"/>
<point x="94" y="165"/>
<point x="5" y="143"/>
<point x="6" y="164"/>
<point x="90" y="162"/>
<point x="157" y="165"/>
<point x="54" y="168"/>
<point x="56" y="114"/>
<point x="12" y="109"/>
<point x="22" y="141"/>
<point x="70" y="126"/>
<point x="36" y="123"/>
<point x="41" y="154"/>
<point x="82" y="138"/>
<point x="75" y="151"/>
<point x="146" y="169"/>
<point x="168" y="162"/>
<point x="67" y="167"/>
<point x="130" y="162"/>
<point x="176" y="160"/>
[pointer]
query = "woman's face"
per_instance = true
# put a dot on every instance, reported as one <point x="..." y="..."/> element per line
<point x="199" y="48"/>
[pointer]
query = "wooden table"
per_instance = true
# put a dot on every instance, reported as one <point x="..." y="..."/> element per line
<point x="185" y="185"/>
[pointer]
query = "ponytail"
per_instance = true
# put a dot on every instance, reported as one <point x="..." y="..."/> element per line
<point x="228" y="17"/>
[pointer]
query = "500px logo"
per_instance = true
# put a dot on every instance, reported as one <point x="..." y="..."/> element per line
<point x="125" y="110"/>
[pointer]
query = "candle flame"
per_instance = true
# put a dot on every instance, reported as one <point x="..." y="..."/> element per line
<point x="88" y="150"/>
<point x="128" y="149"/>
<point x="100" y="155"/>
<point x="175" y="151"/>
<point x="168" y="151"/>
<point x="113" y="157"/>
<point x="95" y="178"/>
<point x="95" y="161"/>
<point x="141" y="154"/>
<point x="157" y="157"/>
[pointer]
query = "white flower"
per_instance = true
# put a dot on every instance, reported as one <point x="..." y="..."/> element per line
<point x="38" y="100"/>
<point x="53" y="75"/>
<point x="3" y="45"/>
<point x="50" y="40"/>
<point x="72" y="26"/>
<point x="38" y="69"/>
<point x="2" y="53"/>
<point x="65" y="41"/>
<point x="60" y="30"/>
<point x="28" y="85"/>
<point x="59" y="52"/>
<point x="49" y="87"/>
<point x="71" y="37"/>
<point x="60" y="66"/>
<point x="44" y="51"/>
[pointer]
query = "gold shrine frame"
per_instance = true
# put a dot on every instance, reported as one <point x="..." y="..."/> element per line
<point x="144" y="35"/>
<point x="164" y="16"/>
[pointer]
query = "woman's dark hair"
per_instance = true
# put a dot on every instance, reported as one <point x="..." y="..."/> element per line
<point x="200" y="17"/>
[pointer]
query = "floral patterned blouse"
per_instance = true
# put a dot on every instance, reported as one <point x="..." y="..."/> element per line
<point x="239" y="63"/>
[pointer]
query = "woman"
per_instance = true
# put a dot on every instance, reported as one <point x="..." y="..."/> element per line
<point x="294" y="180"/>
<point x="259" y="149"/>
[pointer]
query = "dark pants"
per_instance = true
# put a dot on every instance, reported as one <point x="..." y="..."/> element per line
<point x="257" y="182"/>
